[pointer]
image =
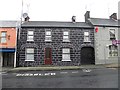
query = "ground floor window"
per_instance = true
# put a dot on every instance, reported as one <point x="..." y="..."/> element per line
<point x="29" y="54"/>
<point x="66" y="54"/>
<point x="113" y="50"/>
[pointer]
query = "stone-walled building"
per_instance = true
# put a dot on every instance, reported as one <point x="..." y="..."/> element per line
<point x="55" y="43"/>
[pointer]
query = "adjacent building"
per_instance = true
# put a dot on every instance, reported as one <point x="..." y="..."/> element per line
<point x="106" y="30"/>
<point x="55" y="43"/>
<point x="8" y="43"/>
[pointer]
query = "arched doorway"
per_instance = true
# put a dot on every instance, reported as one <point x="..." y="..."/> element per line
<point x="87" y="55"/>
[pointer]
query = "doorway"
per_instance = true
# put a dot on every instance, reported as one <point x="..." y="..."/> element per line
<point x="8" y="59"/>
<point x="48" y="56"/>
<point x="87" y="55"/>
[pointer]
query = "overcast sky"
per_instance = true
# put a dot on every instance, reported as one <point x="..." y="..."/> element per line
<point x="57" y="10"/>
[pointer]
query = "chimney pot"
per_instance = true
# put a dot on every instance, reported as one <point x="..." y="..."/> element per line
<point x="73" y="19"/>
<point x="87" y="16"/>
<point x="114" y="16"/>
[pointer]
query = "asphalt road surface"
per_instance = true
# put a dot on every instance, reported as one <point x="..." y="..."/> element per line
<point x="90" y="78"/>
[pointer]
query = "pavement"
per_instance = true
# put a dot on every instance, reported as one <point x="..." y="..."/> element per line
<point x="51" y="68"/>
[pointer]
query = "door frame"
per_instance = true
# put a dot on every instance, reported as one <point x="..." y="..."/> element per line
<point x="48" y="61"/>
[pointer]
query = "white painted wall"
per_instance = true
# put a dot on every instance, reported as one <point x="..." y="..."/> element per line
<point x="102" y="42"/>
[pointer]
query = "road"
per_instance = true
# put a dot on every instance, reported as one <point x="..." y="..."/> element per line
<point x="91" y="78"/>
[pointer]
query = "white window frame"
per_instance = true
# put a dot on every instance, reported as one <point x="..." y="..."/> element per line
<point x="66" y="35"/>
<point x="32" y="35"/>
<point x="30" y="53"/>
<point x="87" y="36"/>
<point x="66" y="51"/>
<point x="49" y="35"/>
<point x="3" y="37"/>
<point x="113" y="50"/>
<point x="112" y="29"/>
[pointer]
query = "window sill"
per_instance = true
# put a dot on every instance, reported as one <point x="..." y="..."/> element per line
<point x="66" y="60"/>
<point x="30" y="40"/>
<point x="112" y="38"/>
<point x="48" y="40"/>
<point x="66" y="41"/>
<point x="4" y="43"/>
<point x="29" y="60"/>
<point x="113" y="56"/>
<point x="87" y="41"/>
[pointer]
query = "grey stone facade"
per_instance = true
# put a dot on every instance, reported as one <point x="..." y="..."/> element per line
<point x="39" y="44"/>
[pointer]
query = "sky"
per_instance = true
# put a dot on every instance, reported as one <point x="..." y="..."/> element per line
<point x="57" y="10"/>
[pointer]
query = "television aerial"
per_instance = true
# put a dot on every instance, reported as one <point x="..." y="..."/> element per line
<point x="25" y="15"/>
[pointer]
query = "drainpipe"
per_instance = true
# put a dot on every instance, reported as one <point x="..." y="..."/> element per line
<point x="1" y="59"/>
<point x="15" y="50"/>
<point x="17" y="26"/>
<point x="15" y="58"/>
<point x="105" y="54"/>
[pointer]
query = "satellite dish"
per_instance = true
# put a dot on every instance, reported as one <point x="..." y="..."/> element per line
<point x="25" y="15"/>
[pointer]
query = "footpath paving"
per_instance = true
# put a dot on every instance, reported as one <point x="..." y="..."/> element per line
<point x="48" y="68"/>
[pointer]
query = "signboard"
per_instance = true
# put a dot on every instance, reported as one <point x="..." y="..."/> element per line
<point x="7" y="50"/>
<point x="115" y="42"/>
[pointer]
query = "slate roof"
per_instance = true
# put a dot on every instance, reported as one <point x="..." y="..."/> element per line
<point x="103" y="22"/>
<point x="55" y="24"/>
<point x="8" y="23"/>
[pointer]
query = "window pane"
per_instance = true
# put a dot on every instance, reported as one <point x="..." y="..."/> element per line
<point x="112" y="33"/>
<point x="30" y="38"/>
<point x="86" y="33"/>
<point x="3" y="40"/>
<point x="3" y="34"/>
<point x="30" y="32"/>
<point x="86" y="38"/>
<point x="30" y="50"/>
<point x="30" y="57"/>
<point x="110" y="53"/>
<point x="113" y="50"/>
<point x="65" y="37"/>
<point x="48" y="32"/>
<point x="48" y="38"/>
<point x="66" y="50"/>
<point x="66" y="57"/>
<point x="109" y="47"/>
<point x="65" y="33"/>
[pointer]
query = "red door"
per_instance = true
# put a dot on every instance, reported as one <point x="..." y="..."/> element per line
<point x="48" y="56"/>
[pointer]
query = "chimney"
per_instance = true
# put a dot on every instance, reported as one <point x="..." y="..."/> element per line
<point x="26" y="19"/>
<point x="87" y="16"/>
<point x="114" y="16"/>
<point x="73" y="19"/>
